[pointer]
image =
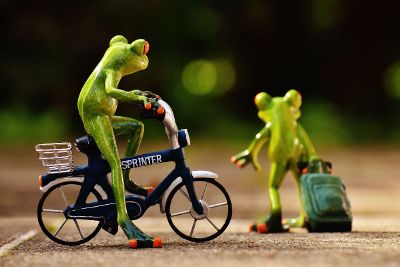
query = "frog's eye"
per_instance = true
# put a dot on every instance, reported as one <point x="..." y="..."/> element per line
<point x="139" y="47"/>
<point x="262" y="100"/>
<point x="146" y="48"/>
<point x="293" y="98"/>
<point x="118" y="39"/>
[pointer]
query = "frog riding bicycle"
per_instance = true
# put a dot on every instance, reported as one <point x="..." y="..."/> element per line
<point x="97" y="104"/>
<point x="82" y="196"/>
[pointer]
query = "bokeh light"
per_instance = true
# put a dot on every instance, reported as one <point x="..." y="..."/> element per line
<point x="199" y="77"/>
<point x="202" y="77"/>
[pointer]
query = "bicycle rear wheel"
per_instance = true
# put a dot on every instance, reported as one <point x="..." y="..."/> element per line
<point x="55" y="225"/>
<point x="194" y="227"/>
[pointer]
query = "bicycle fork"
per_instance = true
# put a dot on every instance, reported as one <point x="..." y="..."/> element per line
<point x="188" y="180"/>
<point x="186" y="175"/>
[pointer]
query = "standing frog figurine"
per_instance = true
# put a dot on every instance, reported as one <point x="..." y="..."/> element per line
<point x="288" y="145"/>
<point x="97" y="104"/>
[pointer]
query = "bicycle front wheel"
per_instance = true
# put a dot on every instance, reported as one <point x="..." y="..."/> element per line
<point x="52" y="220"/>
<point x="199" y="227"/>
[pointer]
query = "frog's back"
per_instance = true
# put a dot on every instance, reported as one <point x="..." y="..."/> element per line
<point x="93" y="99"/>
<point x="92" y="84"/>
<point x="284" y="144"/>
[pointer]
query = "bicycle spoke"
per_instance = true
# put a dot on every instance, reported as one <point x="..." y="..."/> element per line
<point x="180" y="213"/>
<point x="184" y="193"/>
<point x="59" y="228"/>
<point x="79" y="229"/>
<point x="193" y="226"/>
<point x="204" y="191"/>
<point x="63" y="196"/>
<point x="218" y="205"/>
<point x="52" y="211"/>
<point x="216" y="228"/>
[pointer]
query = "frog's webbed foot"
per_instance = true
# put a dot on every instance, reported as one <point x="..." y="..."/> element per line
<point x="155" y="243"/>
<point x="138" y="239"/>
<point x="134" y="188"/>
<point x="139" y="190"/>
<point x="270" y="224"/>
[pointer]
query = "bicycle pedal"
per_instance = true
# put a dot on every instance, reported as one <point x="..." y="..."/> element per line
<point x="110" y="227"/>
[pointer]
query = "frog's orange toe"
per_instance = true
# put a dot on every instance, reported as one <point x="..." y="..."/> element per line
<point x="262" y="228"/>
<point x="157" y="243"/>
<point x="133" y="243"/>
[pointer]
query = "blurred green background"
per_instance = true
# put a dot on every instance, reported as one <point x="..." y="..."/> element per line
<point x="208" y="59"/>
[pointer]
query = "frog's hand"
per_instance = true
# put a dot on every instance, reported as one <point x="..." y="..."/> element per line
<point x="151" y="94"/>
<point x="139" y="96"/>
<point x="255" y="146"/>
<point x="244" y="158"/>
<point x="241" y="159"/>
<point x="146" y="98"/>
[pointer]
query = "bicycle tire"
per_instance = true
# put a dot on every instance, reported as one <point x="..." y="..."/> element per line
<point x="189" y="237"/>
<point x="47" y="231"/>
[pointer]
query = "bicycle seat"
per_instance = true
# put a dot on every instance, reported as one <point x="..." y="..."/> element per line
<point x="86" y="144"/>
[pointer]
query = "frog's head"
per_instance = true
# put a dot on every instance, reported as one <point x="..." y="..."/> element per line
<point x="270" y="108"/>
<point x="128" y="58"/>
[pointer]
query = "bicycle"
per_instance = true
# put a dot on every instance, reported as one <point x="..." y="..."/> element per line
<point x="182" y="193"/>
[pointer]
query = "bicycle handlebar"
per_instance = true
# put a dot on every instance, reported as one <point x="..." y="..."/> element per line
<point x="156" y="108"/>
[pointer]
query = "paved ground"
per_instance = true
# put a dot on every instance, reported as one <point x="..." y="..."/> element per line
<point x="234" y="248"/>
<point x="371" y="175"/>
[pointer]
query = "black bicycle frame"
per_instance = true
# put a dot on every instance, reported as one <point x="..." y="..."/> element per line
<point x="95" y="173"/>
<point x="180" y="170"/>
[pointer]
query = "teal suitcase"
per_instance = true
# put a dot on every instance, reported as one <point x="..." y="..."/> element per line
<point x="325" y="201"/>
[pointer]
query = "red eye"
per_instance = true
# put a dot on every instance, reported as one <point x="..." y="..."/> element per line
<point x="146" y="48"/>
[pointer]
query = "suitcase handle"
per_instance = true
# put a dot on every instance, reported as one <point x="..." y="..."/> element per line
<point x="315" y="166"/>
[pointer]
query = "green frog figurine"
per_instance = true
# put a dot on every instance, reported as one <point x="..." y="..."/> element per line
<point x="288" y="145"/>
<point x="97" y="104"/>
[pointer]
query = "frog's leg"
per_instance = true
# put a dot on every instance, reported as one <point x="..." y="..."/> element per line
<point x="300" y="220"/>
<point x="273" y="222"/>
<point x="306" y="153"/>
<point x="101" y="129"/>
<point x="134" y="129"/>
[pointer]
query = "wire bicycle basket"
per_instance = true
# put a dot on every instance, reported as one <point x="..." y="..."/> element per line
<point x="56" y="157"/>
